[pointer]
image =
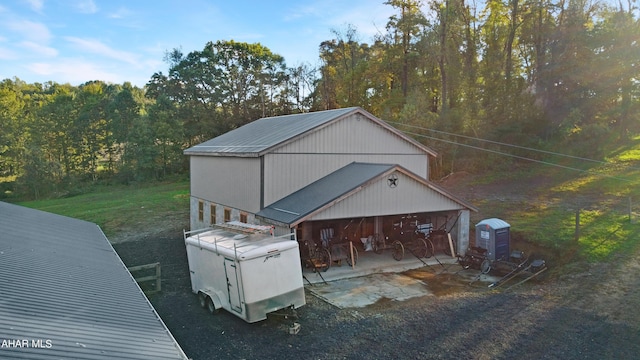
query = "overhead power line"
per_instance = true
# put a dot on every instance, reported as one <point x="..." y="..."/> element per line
<point x="519" y="157"/>
<point x="503" y="144"/>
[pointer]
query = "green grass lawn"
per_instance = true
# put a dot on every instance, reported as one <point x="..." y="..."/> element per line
<point x="607" y="197"/>
<point x="119" y="207"/>
<point x="605" y="225"/>
<point x="610" y="225"/>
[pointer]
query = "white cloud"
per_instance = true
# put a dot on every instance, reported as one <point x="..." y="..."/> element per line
<point x="32" y="31"/>
<point x="128" y="18"/>
<point x="97" y="47"/>
<point x="87" y="7"/>
<point x="38" y="49"/>
<point x="121" y="13"/>
<point x="35" y="5"/>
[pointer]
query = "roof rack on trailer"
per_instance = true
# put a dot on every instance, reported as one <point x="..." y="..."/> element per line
<point x="244" y="227"/>
<point x="234" y="226"/>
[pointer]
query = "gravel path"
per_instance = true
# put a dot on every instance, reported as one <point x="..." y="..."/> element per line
<point x="591" y="313"/>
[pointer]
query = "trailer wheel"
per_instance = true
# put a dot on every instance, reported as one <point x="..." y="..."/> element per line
<point x="211" y="308"/>
<point x="202" y="299"/>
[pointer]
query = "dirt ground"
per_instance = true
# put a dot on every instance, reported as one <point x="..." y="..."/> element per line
<point x="578" y="311"/>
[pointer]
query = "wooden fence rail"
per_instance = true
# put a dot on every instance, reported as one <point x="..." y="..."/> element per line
<point x="143" y="279"/>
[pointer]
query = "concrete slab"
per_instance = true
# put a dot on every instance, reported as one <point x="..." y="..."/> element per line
<point x="367" y="290"/>
<point x="372" y="263"/>
<point x="374" y="277"/>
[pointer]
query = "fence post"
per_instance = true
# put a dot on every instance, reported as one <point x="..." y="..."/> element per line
<point x="577" y="232"/>
<point x="158" y="278"/>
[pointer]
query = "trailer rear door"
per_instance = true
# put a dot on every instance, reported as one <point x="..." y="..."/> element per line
<point x="230" y="268"/>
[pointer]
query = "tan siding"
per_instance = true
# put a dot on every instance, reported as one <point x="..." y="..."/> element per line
<point x="286" y="173"/>
<point x="355" y="134"/>
<point x="230" y="181"/>
<point x="309" y="158"/>
<point x="377" y="199"/>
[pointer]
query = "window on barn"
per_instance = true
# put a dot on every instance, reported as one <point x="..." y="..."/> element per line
<point x="227" y="215"/>
<point x="200" y="211"/>
<point x="213" y="214"/>
<point x="243" y="217"/>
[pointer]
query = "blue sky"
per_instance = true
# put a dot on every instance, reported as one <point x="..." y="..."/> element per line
<point x="74" y="41"/>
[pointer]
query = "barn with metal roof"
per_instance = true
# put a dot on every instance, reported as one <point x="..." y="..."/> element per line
<point x="363" y="184"/>
<point x="65" y="294"/>
<point x="341" y="168"/>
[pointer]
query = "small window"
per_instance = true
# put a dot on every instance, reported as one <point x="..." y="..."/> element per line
<point x="200" y="211"/>
<point x="227" y="215"/>
<point x="243" y="217"/>
<point x="213" y="214"/>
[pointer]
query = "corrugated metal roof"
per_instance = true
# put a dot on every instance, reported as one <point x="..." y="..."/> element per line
<point x="65" y="293"/>
<point x="262" y="134"/>
<point x="317" y="194"/>
<point x="293" y="208"/>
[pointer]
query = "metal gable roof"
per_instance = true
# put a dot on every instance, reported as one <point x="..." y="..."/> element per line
<point x="317" y="194"/>
<point x="66" y="294"/>
<point x="299" y="205"/>
<point x="262" y="134"/>
<point x="258" y="137"/>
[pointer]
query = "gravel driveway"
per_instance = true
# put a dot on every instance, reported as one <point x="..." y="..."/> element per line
<point x="592" y="313"/>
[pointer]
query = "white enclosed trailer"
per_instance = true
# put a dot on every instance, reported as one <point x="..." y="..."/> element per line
<point x="245" y="270"/>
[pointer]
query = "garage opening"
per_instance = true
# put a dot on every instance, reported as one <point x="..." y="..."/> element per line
<point x="342" y="248"/>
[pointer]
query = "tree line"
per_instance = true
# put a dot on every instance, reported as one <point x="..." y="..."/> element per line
<point x="555" y="74"/>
